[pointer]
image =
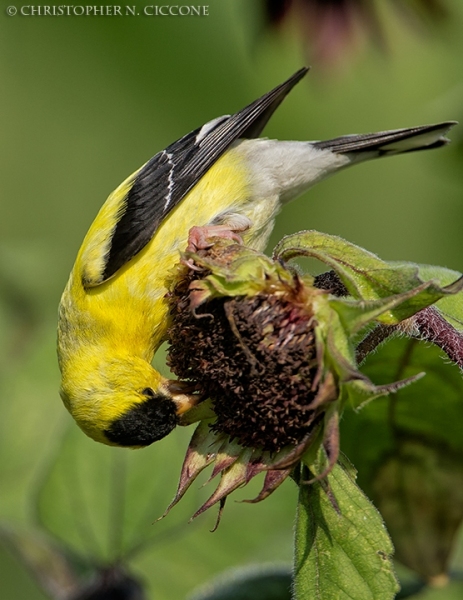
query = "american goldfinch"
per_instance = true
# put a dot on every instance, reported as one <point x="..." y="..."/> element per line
<point x="219" y="179"/>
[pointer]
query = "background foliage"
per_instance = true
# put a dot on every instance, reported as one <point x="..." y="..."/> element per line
<point x="84" y="102"/>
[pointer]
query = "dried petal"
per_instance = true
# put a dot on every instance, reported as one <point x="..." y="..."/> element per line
<point x="201" y="452"/>
<point x="273" y="479"/>
<point x="232" y="478"/>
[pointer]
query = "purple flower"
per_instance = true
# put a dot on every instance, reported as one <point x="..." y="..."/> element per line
<point x="332" y="29"/>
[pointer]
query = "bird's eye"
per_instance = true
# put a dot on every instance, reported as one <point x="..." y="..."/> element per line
<point x="149" y="393"/>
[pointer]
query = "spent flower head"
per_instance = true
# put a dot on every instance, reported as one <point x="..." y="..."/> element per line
<point x="275" y="354"/>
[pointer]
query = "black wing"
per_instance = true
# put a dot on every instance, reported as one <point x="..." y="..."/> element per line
<point x="166" y="179"/>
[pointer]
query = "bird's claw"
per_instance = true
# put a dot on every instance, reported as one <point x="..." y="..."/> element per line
<point x="189" y="262"/>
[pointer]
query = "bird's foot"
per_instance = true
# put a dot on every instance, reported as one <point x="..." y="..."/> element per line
<point x="199" y="237"/>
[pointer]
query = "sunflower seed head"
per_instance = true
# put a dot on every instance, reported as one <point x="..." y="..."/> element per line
<point x="254" y="356"/>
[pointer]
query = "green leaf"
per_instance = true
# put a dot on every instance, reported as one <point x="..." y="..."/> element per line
<point x="452" y="591"/>
<point x="411" y="452"/>
<point x="341" y="555"/>
<point x="389" y="310"/>
<point x="450" y="307"/>
<point x="419" y="492"/>
<point x="101" y="502"/>
<point x="366" y="276"/>
<point x="55" y="570"/>
<point x="431" y="407"/>
<point x="271" y="582"/>
<point x="63" y="575"/>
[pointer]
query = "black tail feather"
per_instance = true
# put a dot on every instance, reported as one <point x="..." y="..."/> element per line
<point x="396" y="141"/>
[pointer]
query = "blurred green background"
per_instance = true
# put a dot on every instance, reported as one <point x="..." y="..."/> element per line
<point x="84" y="102"/>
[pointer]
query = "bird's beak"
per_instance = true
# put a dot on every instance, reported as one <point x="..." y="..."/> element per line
<point x="182" y="395"/>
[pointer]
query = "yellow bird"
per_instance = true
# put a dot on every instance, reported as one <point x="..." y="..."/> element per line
<point x="220" y="178"/>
